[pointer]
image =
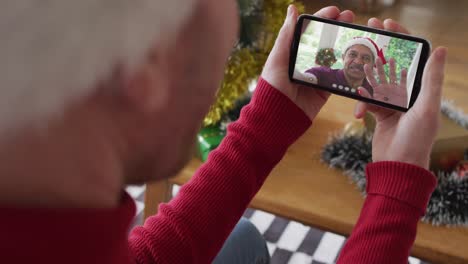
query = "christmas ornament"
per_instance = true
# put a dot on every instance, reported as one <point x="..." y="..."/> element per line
<point x="448" y="161"/>
<point x="355" y="128"/>
<point x="369" y="122"/>
<point x="209" y="138"/>
<point x="462" y="167"/>
<point x="325" y="57"/>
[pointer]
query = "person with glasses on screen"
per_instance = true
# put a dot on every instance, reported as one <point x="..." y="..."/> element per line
<point x="92" y="99"/>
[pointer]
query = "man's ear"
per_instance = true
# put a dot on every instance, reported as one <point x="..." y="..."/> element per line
<point x="146" y="88"/>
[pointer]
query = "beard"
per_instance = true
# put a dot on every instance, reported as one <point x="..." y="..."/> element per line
<point x="355" y="66"/>
<point x="356" y="70"/>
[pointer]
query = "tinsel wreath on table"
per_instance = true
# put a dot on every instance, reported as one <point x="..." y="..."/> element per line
<point x="448" y="204"/>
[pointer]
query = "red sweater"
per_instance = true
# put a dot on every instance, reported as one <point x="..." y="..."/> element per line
<point x="193" y="226"/>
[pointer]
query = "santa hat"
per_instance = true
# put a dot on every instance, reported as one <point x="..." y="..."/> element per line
<point x="369" y="43"/>
<point x="54" y="52"/>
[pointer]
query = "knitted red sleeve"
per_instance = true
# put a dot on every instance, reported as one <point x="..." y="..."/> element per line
<point x="194" y="225"/>
<point x="398" y="194"/>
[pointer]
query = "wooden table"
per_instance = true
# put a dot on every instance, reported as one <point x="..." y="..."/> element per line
<point x="306" y="190"/>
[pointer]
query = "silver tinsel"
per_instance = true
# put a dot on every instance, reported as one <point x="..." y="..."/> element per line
<point x="351" y="154"/>
<point x="452" y="112"/>
<point x="449" y="202"/>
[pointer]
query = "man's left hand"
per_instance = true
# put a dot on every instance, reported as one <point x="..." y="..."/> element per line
<point x="276" y="68"/>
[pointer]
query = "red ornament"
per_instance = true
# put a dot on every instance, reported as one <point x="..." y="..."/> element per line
<point x="449" y="161"/>
<point x="462" y="169"/>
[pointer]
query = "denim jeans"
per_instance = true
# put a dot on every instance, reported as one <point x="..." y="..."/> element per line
<point x="245" y="245"/>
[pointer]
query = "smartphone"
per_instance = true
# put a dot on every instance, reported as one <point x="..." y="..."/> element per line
<point x="363" y="63"/>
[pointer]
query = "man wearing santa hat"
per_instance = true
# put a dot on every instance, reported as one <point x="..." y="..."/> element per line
<point x="98" y="94"/>
<point x="357" y="78"/>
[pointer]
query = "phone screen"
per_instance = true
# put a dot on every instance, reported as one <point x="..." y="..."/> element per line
<point x="367" y="64"/>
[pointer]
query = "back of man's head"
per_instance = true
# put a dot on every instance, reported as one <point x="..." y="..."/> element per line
<point x="55" y="51"/>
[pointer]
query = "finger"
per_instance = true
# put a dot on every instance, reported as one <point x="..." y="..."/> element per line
<point x="361" y="107"/>
<point x="403" y="90"/>
<point x="306" y="91"/>
<point x="346" y="16"/>
<point x="360" y="110"/>
<point x="364" y="93"/>
<point x="375" y="23"/>
<point x="380" y="113"/>
<point x="331" y="12"/>
<point x="393" y="78"/>
<point x="433" y="78"/>
<point x="381" y="72"/>
<point x="370" y="76"/>
<point x="403" y="77"/>
<point x="392" y="25"/>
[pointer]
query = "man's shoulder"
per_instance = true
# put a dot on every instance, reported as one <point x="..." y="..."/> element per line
<point x="322" y="69"/>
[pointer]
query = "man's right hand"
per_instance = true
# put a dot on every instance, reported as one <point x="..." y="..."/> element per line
<point x="276" y="67"/>
<point x="391" y="92"/>
<point x="408" y="137"/>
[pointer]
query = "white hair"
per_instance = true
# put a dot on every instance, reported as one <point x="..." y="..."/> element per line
<point x="53" y="52"/>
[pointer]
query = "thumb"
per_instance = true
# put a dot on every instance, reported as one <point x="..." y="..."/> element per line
<point x="361" y="107"/>
<point x="433" y="79"/>
<point x="380" y="113"/>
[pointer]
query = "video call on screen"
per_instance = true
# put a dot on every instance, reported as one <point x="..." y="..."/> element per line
<point x="379" y="67"/>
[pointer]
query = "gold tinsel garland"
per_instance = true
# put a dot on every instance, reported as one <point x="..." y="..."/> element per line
<point x="245" y="64"/>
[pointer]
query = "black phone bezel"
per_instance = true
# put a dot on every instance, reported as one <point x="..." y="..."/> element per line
<point x="425" y="51"/>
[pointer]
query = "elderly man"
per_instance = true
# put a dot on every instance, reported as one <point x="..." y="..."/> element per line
<point x="361" y="55"/>
<point x="357" y="52"/>
<point x="97" y="94"/>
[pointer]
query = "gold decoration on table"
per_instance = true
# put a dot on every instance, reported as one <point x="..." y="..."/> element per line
<point x="355" y="128"/>
<point x="245" y="64"/>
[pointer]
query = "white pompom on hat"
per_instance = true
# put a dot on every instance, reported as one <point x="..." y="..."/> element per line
<point x="369" y="43"/>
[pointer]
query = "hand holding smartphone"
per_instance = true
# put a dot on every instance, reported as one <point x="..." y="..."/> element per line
<point x="367" y="64"/>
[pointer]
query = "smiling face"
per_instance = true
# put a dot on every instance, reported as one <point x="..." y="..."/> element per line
<point x="354" y="60"/>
